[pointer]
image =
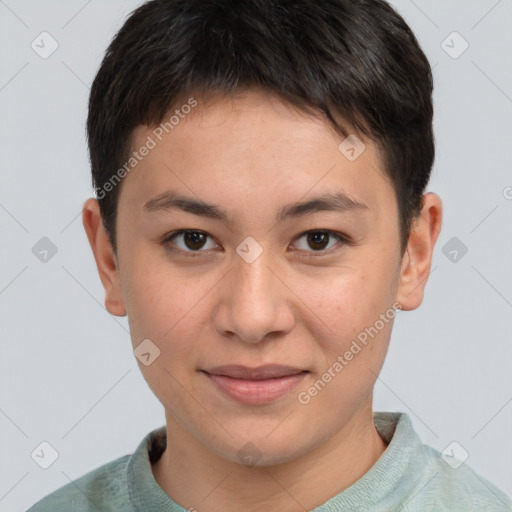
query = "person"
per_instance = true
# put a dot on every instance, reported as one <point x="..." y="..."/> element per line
<point x="261" y="216"/>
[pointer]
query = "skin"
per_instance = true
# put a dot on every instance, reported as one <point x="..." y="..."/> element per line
<point x="251" y="154"/>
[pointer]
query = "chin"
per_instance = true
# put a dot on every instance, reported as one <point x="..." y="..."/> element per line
<point x="261" y="451"/>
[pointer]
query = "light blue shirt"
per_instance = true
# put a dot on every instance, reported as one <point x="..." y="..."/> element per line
<point x="408" y="477"/>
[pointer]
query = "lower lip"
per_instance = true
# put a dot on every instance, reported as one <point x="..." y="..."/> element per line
<point x="256" y="392"/>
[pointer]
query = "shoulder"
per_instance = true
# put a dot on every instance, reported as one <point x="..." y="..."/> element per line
<point x="104" y="489"/>
<point x="415" y="477"/>
<point x="457" y="486"/>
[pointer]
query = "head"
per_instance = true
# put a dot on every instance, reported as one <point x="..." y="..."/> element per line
<point x="292" y="141"/>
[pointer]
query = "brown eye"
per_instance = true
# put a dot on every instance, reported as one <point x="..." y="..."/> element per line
<point x="194" y="240"/>
<point x="190" y="241"/>
<point x="318" y="240"/>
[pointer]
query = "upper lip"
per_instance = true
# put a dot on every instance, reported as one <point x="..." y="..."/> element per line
<point x="271" y="371"/>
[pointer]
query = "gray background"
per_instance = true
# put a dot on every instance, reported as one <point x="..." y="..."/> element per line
<point x="67" y="372"/>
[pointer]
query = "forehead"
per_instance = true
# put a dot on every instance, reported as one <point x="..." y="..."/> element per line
<point x="253" y="147"/>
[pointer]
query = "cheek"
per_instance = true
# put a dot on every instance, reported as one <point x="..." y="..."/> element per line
<point x="171" y="309"/>
<point x="166" y="310"/>
<point x="352" y="301"/>
<point x="351" y="307"/>
<point x="351" y="355"/>
<point x="156" y="301"/>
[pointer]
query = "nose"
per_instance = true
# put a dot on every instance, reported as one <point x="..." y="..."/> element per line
<point x="254" y="304"/>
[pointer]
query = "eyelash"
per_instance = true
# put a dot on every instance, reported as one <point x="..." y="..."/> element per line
<point x="167" y="240"/>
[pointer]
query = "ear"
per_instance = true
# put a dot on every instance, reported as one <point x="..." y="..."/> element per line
<point x="417" y="258"/>
<point x="105" y="257"/>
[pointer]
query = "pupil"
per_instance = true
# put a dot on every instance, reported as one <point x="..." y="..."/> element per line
<point x="318" y="241"/>
<point x="194" y="240"/>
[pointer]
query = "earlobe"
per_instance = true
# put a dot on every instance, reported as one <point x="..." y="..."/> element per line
<point x="417" y="259"/>
<point x="104" y="255"/>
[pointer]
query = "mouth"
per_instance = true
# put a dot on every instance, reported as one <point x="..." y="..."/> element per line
<point x="255" y="386"/>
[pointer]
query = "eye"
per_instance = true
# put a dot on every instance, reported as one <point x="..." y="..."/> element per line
<point x="318" y="241"/>
<point x="190" y="240"/>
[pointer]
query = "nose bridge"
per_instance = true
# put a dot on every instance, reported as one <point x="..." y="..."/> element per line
<point x="253" y="279"/>
<point x="254" y="304"/>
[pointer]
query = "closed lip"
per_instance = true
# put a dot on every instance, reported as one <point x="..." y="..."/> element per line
<point x="272" y="371"/>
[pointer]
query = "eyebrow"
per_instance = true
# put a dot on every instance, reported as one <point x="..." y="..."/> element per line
<point x="339" y="202"/>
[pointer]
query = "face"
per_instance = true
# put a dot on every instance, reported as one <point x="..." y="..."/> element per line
<point x="254" y="254"/>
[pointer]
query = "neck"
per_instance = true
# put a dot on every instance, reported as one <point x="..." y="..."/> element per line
<point x="195" y="477"/>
